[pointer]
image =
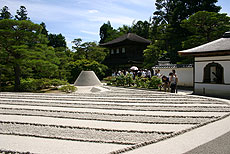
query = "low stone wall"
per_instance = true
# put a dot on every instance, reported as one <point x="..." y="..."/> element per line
<point x="185" y="74"/>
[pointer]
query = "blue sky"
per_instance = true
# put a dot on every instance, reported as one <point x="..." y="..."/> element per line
<point x="83" y="18"/>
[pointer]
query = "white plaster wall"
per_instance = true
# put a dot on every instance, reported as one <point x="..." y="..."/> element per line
<point x="199" y="67"/>
<point x="226" y="65"/>
<point x="185" y="75"/>
<point x="212" y="89"/>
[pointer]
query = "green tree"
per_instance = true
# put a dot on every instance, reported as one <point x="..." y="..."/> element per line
<point x="152" y="54"/>
<point x="205" y="27"/>
<point x="141" y="28"/>
<point x="125" y="29"/>
<point x="64" y="56"/>
<point x="107" y="33"/>
<point x="88" y="50"/>
<point x="172" y="13"/>
<point x="42" y="61"/>
<point x="5" y="14"/>
<point x="17" y="37"/>
<point x="22" y="14"/>
<point x="77" y="42"/>
<point x="44" y="30"/>
<point x="76" y="67"/>
<point x="56" y="40"/>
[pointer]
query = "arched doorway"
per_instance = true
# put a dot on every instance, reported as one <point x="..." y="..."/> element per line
<point x="213" y="73"/>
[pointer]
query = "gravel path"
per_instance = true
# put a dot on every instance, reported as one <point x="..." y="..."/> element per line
<point x="97" y="124"/>
<point x="153" y="113"/>
<point x="122" y="117"/>
<point x="50" y="146"/>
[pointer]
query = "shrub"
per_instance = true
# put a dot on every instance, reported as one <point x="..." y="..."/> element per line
<point x="29" y="85"/>
<point x="120" y="80"/>
<point x="68" y="88"/>
<point x="110" y="80"/>
<point x="154" y="82"/>
<point x="129" y="80"/>
<point x="143" y="83"/>
<point x="45" y="83"/>
<point x="137" y="81"/>
<point x="57" y="82"/>
<point x="8" y="88"/>
<point x="32" y="85"/>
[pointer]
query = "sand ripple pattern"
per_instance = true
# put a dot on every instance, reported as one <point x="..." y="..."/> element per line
<point x="123" y="108"/>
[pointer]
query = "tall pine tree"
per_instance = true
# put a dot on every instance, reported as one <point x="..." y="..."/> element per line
<point x="5" y="14"/>
<point x="169" y="15"/>
<point x="22" y="14"/>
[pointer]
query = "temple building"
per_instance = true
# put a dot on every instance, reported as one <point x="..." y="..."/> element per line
<point x="126" y="51"/>
<point x="212" y="67"/>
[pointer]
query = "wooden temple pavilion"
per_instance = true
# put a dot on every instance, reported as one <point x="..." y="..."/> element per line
<point x="126" y="51"/>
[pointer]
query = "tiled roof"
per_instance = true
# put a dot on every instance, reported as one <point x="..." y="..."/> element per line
<point x="219" y="46"/>
<point x="172" y="66"/>
<point x="129" y="36"/>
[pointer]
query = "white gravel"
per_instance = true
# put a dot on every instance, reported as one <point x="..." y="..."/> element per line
<point x="156" y="113"/>
<point x="96" y="124"/>
<point x="121" y="116"/>
<point x="51" y="146"/>
<point x="117" y="103"/>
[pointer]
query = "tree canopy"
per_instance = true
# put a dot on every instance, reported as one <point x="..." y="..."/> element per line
<point x="56" y="40"/>
<point x="17" y="38"/>
<point x="22" y="14"/>
<point x="88" y="50"/>
<point x="205" y="27"/>
<point x="169" y="14"/>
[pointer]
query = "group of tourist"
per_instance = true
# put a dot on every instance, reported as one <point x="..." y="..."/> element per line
<point x="135" y="73"/>
<point x="169" y="83"/>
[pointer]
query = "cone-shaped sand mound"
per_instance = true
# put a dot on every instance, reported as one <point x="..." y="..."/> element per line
<point x="87" y="78"/>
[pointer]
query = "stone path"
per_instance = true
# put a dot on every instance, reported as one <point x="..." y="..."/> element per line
<point x="114" y="121"/>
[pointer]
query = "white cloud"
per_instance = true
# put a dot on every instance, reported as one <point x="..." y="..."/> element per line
<point x="89" y="32"/>
<point x="143" y="3"/>
<point x="93" y="11"/>
<point x="122" y="20"/>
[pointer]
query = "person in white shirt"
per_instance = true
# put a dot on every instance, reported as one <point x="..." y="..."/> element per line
<point x="149" y="75"/>
<point x="158" y="74"/>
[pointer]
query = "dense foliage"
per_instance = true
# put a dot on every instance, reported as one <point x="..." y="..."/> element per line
<point x="68" y="88"/>
<point x="205" y="27"/>
<point x="138" y="82"/>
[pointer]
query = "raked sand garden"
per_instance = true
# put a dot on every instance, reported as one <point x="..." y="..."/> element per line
<point x="115" y="121"/>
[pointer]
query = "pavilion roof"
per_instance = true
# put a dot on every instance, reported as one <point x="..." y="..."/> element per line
<point x="130" y="36"/>
<point x="217" y="47"/>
